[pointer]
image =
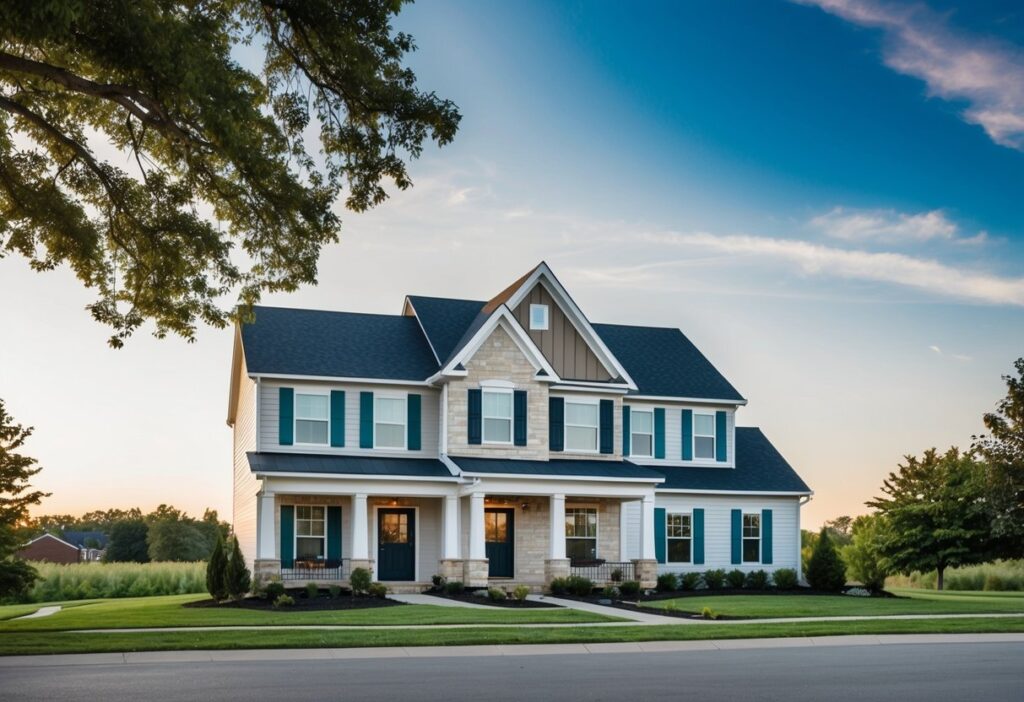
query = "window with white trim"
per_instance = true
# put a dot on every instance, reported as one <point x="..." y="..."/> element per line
<point x="497" y="416"/>
<point x="703" y="435"/>
<point x="752" y="538"/>
<point x="312" y="418"/>
<point x="679" y="531"/>
<point x="582" y="424"/>
<point x="539" y="318"/>
<point x="389" y="418"/>
<point x="641" y="433"/>
<point x="581" y="533"/>
<point x="310" y="531"/>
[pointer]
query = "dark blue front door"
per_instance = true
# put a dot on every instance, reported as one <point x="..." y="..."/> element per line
<point x="396" y="544"/>
<point x="499" y="533"/>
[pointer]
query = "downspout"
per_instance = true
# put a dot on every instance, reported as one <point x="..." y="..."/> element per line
<point x="799" y="539"/>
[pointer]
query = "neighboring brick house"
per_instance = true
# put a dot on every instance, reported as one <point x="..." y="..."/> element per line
<point x="51" y="549"/>
<point x="507" y="440"/>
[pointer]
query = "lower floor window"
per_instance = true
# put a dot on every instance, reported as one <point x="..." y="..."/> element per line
<point x="310" y="535"/>
<point x="680" y="536"/>
<point x="581" y="533"/>
<point x="751" y="538"/>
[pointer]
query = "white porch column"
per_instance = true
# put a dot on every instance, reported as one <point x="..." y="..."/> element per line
<point x="451" y="528"/>
<point x="360" y="535"/>
<point x="477" y="549"/>
<point x="266" y="538"/>
<point x="557" y="536"/>
<point x="647" y="528"/>
<point x="623" y="528"/>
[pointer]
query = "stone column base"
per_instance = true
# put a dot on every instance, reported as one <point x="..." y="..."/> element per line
<point x="362" y="563"/>
<point x="450" y="568"/>
<point x="474" y="572"/>
<point x="266" y="569"/>
<point x="555" y="568"/>
<point x="646" y="572"/>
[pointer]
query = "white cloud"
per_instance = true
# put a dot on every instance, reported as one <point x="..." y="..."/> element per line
<point x="954" y="356"/>
<point x="986" y="74"/>
<point x="885" y="225"/>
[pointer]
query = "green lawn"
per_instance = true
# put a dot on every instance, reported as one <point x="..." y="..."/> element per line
<point x="56" y="642"/>
<point x="20" y="610"/>
<point x="909" y="602"/>
<point x="168" y="611"/>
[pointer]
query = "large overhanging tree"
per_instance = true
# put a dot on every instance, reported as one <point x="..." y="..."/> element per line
<point x="138" y="149"/>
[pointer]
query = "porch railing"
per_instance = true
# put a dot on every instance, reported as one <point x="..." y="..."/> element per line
<point x="604" y="571"/>
<point x="317" y="569"/>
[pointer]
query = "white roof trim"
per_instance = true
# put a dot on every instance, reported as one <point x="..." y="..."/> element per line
<point x="263" y="475"/>
<point x="576" y="316"/>
<point x="51" y="536"/>
<point x="338" y="379"/>
<point x="451" y="465"/>
<point x="690" y="400"/>
<point x="752" y="493"/>
<point x="573" y="478"/>
<point x="500" y="317"/>
<point x="562" y="387"/>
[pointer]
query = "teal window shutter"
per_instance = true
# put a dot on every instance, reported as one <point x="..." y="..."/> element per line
<point x="475" y="416"/>
<point x="334" y="533"/>
<point x="519" y="418"/>
<point x="287" y="536"/>
<point x="556" y="424"/>
<point x="413" y="410"/>
<point x="687" y="435"/>
<point x="766" y="536"/>
<point x="366" y="420"/>
<point x="607" y="426"/>
<point x="286" y="416"/>
<point x="698" y="536"/>
<point x="625" y="430"/>
<point x="659" y="534"/>
<point x="721" y="448"/>
<point x="737" y="536"/>
<point x="659" y="432"/>
<point x="337" y="417"/>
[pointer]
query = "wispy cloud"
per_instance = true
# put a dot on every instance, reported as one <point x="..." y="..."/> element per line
<point x="988" y="75"/>
<point x="889" y="226"/>
<point x="955" y="356"/>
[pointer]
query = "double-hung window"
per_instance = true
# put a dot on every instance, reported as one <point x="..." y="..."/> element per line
<point x="497" y="416"/>
<point x="703" y="435"/>
<point x="310" y="535"/>
<point x="389" y="417"/>
<point x="581" y="533"/>
<point x="581" y="426"/>
<point x="641" y="433"/>
<point x="751" y="538"/>
<point x="312" y="418"/>
<point x="678" y="529"/>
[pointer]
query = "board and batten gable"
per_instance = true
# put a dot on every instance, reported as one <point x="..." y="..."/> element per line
<point x="674" y="434"/>
<point x="562" y="346"/>
<point x="270" y="412"/>
<point x="245" y="486"/>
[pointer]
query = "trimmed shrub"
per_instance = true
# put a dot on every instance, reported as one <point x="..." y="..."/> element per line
<point x="580" y="586"/>
<point x="237" y="578"/>
<point x="825" y="570"/>
<point x="284" y="601"/>
<point x="714" y="579"/>
<point x="335" y="591"/>
<point x="756" y="580"/>
<point x="709" y="613"/>
<point x="79" y="581"/>
<point x="559" y="586"/>
<point x="785" y="579"/>
<point x="667" y="582"/>
<point x="630" y="588"/>
<point x="520" y="593"/>
<point x="312" y="591"/>
<point x="616" y="576"/>
<point x="610" y="592"/>
<point x="273" y="590"/>
<point x="360" y="581"/>
<point x="438" y="582"/>
<point x="496" y="594"/>
<point x="454" y="587"/>
<point x="378" y="590"/>
<point x="735" y="578"/>
<point x="216" y="570"/>
<point x="689" y="581"/>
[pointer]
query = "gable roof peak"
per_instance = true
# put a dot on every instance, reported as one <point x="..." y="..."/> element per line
<point x="506" y="294"/>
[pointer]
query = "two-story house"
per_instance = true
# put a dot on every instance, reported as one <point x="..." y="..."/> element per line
<point x="505" y="440"/>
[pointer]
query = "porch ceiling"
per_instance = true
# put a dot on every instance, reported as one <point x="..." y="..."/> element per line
<point x="316" y="464"/>
<point x="558" y="468"/>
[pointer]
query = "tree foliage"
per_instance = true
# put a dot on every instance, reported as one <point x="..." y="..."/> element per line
<point x="825" y="570"/>
<point x="1003" y="452"/>
<point x="237" y="577"/>
<point x="16" y="496"/>
<point x="128" y="542"/>
<point x="863" y="556"/>
<point x="167" y="150"/>
<point x="216" y="571"/>
<point x="936" y="513"/>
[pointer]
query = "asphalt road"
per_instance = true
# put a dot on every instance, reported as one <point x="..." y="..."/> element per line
<point x="935" y="673"/>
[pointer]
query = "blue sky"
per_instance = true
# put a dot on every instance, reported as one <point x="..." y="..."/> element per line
<point x="824" y="195"/>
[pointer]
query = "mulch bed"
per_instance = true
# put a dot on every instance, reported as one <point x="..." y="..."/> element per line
<point x="509" y="602"/>
<point x="323" y="602"/>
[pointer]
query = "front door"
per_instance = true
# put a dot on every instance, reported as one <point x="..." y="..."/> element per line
<point x="499" y="532"/>
<point x="396" y="544"/>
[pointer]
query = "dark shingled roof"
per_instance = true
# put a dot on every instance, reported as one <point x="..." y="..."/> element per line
<point x="759" y="468"/>
<point x="557" y="467"/>
<point x="78" y="538"/>
<point x="347" y="465"/>
<point x="336" y="344"/>
<point x="445" y="321"/>
<point x="662" y="361"/>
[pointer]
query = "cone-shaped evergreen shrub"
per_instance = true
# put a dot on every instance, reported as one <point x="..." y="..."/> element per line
<point x="238" y="578"/>
<point x="216" y="571"/>
<point x="825" y="569"/>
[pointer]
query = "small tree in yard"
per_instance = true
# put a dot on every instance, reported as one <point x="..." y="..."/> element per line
<point x="216" y="571"/>
<point x="825" y="570"/>
<point x="238" y="577"/>
<point x="863" y="556"/>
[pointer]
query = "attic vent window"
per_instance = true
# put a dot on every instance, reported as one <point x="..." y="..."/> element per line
<point x="538" y="317"/>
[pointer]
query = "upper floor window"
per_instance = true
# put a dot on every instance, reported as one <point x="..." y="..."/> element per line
<point x="497" y="416"/>
<point x="703" y="435"/>
<point x="310" y="534"/>
<point x="539" y="317"/>
<point x="389" y="417"/>
<point x="751" y="538"/>
<point x="641" y="433"/>
<point x="678" y="529"/>
<point x="581" y="533"/>
<point x="312" y="417"/>
<point x="581" y="426"/>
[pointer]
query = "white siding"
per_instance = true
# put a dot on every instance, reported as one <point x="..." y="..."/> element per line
<point x="718" y="526"/>
<point x="674" y="436"/>
<point x="429" y="429"/>
<point x="243" y="512"/>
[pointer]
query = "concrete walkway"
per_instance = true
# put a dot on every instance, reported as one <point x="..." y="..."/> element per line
<point x="439" y="601"/>
<point x="637" y="617"/>
<point x="146" y="657"/>
<point x="41" y="612"/>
